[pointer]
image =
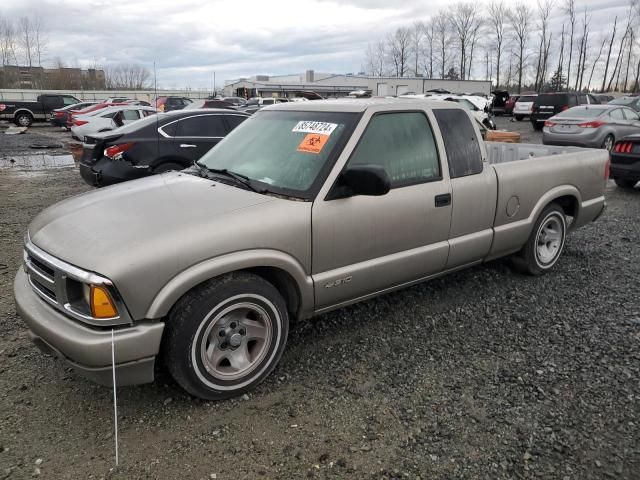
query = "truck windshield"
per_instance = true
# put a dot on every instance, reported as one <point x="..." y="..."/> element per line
<point x="285" y="152"/>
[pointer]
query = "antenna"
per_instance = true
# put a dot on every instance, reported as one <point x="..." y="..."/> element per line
<point x="115" y="399"/>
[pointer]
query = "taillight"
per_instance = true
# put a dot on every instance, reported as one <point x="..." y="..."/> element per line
<point x="594" y="124"/>
<point x="549" y="123"/>
<point x="117" y="150"/>
<point x="623" y="147"/>
<point x="78" y="123"/>
<point x="565" y="107"/>
<point x="59" y="114"/>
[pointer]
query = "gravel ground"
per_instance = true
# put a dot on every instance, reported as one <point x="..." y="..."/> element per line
<point x="483" y="374"/>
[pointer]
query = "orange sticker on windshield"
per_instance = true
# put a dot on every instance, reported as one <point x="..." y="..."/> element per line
<point x="313" y="143"/>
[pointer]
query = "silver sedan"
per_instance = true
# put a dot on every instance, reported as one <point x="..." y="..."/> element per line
<point x="597" y="126"/>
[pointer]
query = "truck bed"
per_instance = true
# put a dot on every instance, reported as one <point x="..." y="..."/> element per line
<point x="499" y="152"/>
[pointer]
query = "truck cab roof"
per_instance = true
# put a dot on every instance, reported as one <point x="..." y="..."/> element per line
<point x="361" y="104"/>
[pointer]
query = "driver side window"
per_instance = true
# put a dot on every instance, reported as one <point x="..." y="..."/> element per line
<point x="403" y="144"/>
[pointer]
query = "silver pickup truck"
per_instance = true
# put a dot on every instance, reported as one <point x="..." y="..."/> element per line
<point x="304" y="208"/>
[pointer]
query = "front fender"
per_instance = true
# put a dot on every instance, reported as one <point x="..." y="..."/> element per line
<point x="242" y="260"/>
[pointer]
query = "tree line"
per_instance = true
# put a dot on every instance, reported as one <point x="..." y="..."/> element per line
<point x="515" y="47"/>
<point x="24" y="43"/>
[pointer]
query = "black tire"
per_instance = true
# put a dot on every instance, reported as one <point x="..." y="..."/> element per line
<point x="167" y="166"/>
<point x="194" y="348"/>
<point x="519" y="118"/>
<point x="625" y="182"/>
<point x="537" y="125"/>
<point x="530" y="260"/>
<point x="23" y="119"/>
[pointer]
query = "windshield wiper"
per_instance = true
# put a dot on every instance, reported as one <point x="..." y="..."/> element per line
<point x="237" y="178"/>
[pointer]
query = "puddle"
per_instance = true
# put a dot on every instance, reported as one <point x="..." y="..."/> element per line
<point x="42" y="161"/>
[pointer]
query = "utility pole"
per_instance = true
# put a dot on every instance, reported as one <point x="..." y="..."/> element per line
<point x="214" y="84"/>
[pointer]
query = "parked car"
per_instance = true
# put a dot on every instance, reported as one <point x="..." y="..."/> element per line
<point x="510" y="104"/>
<point x="156" y="144"/>
<point x="107" y="119"/>
<point x="237" y="101"/>
<point x="304" y="208"/>
<point x="499" y="102"/>
<point x="596" y="126"/>
<point x="256" y="103"/>
<point x="88" y="110"/>
<point x="631" y="102"/>
<point x="24" y="113"/>
<point x="210" y="103"/>
<point x="603" y="97"/>
<point x="625" y="161"/>
<point x="482" y="116"/>
<point x="523" y="106"/>
<point x="168" y="104"/>
<point x="60" y="116"/>
<point x="546" y="105"/>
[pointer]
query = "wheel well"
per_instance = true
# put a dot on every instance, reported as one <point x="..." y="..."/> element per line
<point x="20" y="112"/>
<point x="180" y="161"/>
<point x="284" y="283"/>
<point x="569" y="204"/>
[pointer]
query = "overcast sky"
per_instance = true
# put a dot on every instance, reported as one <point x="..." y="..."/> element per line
<point x="190" y="39"/>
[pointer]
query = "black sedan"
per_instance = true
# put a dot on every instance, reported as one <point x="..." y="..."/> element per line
<point x="625" y="161"/>
<point x="156" y="144"/>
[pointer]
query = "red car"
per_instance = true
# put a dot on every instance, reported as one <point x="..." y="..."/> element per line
<point x="92" y="108"/>
<point x="510" y="103"/>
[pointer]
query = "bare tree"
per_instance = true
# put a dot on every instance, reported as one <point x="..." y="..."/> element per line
<point x="8" y="43"/>
<point x="443" y="36"/>
<point x="626" y="74"/>
<point x="497" y="19"/>
<point x="429" y="34"/>
<point x="606" y="68"/>
<point x="417" y="34"/>
<point x="519" y="18"/>
<point x="465" y="20"/>
<point x="130" y="76"/>
<point x="475" y="33"/>
<point x="544" y="11"/>
<point x="582" y="50"/>
<point x="39" y="38"/>
<point x="399" y="49"/>
<point x="570" y="10"/>
<point x="561" y="58"/>
<point x="26" y="40"/>
<point x="375" y="58"/>
<point x="595" y="62"/>
<point x="627" y="31"/>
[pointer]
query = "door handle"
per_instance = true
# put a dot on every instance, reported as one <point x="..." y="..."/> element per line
<point x="187" y="145"/>
<point x="443" y="200"/>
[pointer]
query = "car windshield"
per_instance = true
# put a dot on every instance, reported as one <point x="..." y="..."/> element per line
<point x="582" y="112"/>
<point x="284" y="151"/>
<point x="623" y="101"/>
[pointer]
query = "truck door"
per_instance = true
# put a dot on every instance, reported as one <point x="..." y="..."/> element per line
<point x="474" y="189"/>
<point x="367" y="244"/>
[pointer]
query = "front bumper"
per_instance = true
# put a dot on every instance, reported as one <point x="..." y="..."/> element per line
<point x="87" y="349"/>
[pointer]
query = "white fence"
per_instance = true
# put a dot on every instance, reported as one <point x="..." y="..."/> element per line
<point x="146" y="95"/>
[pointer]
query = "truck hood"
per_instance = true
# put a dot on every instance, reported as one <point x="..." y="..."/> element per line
<point x="142" y="233"/>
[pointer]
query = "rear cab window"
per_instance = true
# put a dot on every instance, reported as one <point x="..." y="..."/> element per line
<point x="460" y="141"/>
<point x="403" y="144"/>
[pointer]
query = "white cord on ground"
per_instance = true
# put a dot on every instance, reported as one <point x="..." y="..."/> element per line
<point x="115" y="401"/>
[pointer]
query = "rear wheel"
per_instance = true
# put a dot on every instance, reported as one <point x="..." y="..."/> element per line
<point x="224" y="337"/>
<point x="519" y="118"/>
<point x="624" y="182"/>
<point x="23" y="119"/>
<point x="537" y="125"/>
<point x="608" y="142"/>
<point x="545" y="244"/>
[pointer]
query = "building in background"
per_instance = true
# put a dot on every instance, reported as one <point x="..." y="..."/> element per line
<point x="15" y="76"/>
<point x="340" y="85"/>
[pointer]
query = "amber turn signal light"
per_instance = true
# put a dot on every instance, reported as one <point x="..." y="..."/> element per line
<point x="101" y="303"/>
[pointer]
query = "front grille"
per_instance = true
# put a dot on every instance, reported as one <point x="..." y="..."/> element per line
<point x="42" y="277"/>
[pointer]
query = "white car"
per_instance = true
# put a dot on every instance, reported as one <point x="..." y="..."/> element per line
<point x="107" y="119"/>
<point x="524" y="106"/>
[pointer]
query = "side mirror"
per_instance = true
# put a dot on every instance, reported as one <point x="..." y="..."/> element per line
<point x="370" y="180"/>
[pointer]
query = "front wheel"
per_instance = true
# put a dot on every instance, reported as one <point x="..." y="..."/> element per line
<point x="224" y="337"/>
<point x="624" y="182"/>
<point x="545" y="244"/>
